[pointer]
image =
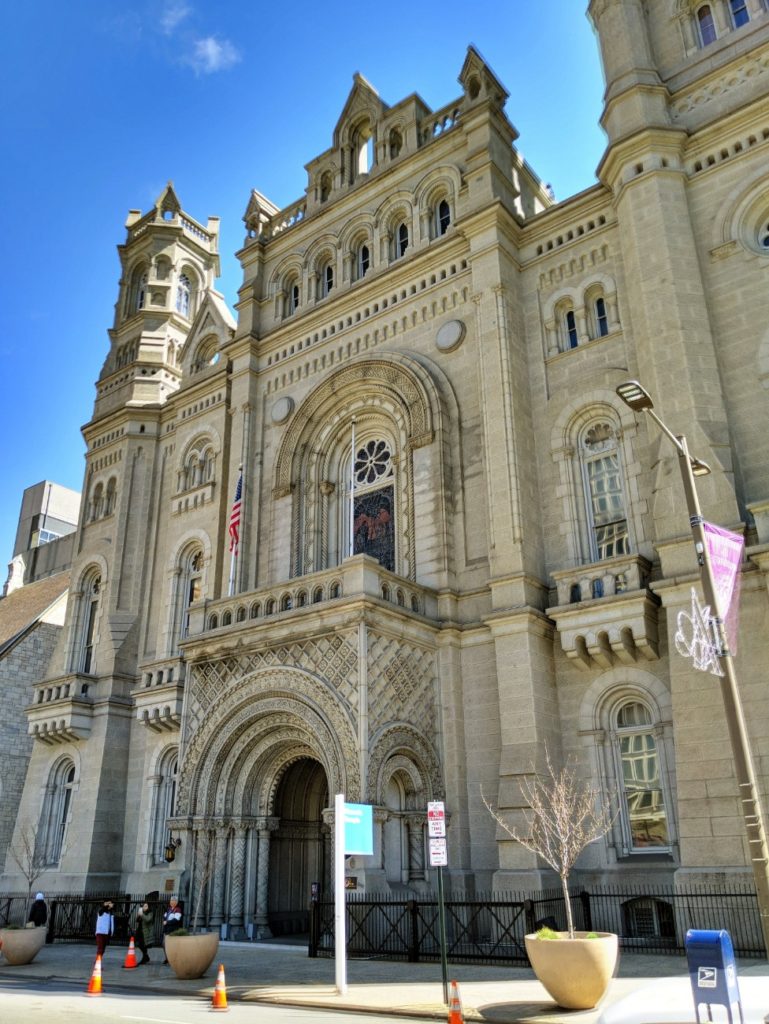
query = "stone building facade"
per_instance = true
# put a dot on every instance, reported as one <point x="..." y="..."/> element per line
<point x="457" y="547"/>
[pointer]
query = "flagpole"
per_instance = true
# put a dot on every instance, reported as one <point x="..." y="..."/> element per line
<point x="352" y="492"/>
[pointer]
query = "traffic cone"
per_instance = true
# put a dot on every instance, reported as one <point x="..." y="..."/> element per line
<point x="130" y="957"/>
<point x="94" y="985"/>
<point x="219" y="1002"/>
<point x="455" y="1006"/>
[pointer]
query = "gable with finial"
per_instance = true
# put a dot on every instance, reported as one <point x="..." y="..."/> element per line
<point x="479" y="81"/>
<point x="168" y="201"/>
<point x="363" y="103"/>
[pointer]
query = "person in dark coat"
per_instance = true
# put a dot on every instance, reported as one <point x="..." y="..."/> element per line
<point x="145" y="931"/>
<point x="38" y="913"/>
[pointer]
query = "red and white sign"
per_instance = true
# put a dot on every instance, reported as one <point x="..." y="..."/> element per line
<point x="436" y="819"/>
<point x="438" y="853"/>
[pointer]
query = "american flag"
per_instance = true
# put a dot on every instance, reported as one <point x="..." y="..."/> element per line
<point x="235" y="516"/>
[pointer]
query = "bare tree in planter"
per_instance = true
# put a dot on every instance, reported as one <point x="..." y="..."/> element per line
<point x="27" y="856"/>
<point x="563" y="817"/>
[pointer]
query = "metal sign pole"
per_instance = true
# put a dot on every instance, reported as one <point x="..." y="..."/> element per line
<point x="442" y="926"/>
<point x="340" y="943"/>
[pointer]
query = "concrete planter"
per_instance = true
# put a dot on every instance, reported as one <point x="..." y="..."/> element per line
<point x="190" y="956"/>
<point x="21" y="946"/>
<point x="576" y="972"/>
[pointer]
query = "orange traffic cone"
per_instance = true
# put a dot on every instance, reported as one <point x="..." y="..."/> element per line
<point x="94" y="985"/>
<point x="130" y="957"/>
<point x="455" y="1006"/>
<point x="219" y="1001"/>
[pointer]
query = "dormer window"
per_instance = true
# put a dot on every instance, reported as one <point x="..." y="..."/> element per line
<point x="706" y="25"/>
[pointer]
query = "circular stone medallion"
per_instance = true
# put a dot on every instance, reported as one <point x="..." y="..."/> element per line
<point x="282" y="409"/>
<point x="450" y="336"/>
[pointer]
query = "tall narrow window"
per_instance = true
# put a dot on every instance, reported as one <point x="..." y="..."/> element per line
<point x="363" y="261"/>
<point x="572" y="339"/>
<point x="739" y="11"/>
<point x="183" y="296"/>
<point x="373" y="530"/>
<point x="706" y="25"/>
<point x="165" y="805"/>
<point x="643" y="804"/>
<point x="326" y="280"/>
<point x="141" y="292"/>
<point x="607" y="518"/>
<point x="89" y="610"/>
<point x="443" y="217"/>
<point x="396" y="143"/>
<point x="325" y="186"/>
<point x="292" y="296"/>
<point x="401" y="240"/>
<point x="56" y="810"/>
<point x="191" y="587"/>
<point x="601" y="319"/>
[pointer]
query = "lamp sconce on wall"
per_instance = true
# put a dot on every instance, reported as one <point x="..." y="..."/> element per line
<point x="171" y="847"/>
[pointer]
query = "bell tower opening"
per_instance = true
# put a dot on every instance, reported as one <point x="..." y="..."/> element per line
<point x="300" y="849"/>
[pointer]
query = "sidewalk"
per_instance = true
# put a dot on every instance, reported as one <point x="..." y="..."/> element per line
<point x="286" y="975"/>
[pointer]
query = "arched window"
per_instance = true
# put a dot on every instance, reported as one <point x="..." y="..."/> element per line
<point x="739" y="11"/>
<point x="571" y="337"/>
<point x="56" y="810"/>
<point x="164" y="804"/>
<point x="604" y="492"/>
<point x="362" y="261"/>
<point x="87" y="615"/>
<point x="601" y="319"/>
<point x="109" y="500"/>
<point x="373" y="502"/>
<point x="396" y="143"/>
<point x="325" y="186"/>
<point x="97" y="501"/>
<point x="138" y="296"/>
<point x="292" y="296"/>
<point x="189" y="589"/>
<point x="442" y="217"/>
<point x="325" y="279"/>
<point x="642" y="801"/>
<point x="363" y="153"/>
<point x="401" y="239"/>
<point x="706" y="25"/>
<point x="183" y="292"/>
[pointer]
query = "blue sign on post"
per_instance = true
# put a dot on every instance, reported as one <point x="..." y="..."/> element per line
<point x="712" y="971"/>
<point x="359" y="829"/>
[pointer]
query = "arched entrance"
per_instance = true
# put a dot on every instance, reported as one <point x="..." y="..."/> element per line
<point x="300" y="846"/>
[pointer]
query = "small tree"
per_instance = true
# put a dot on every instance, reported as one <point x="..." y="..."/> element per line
<point x="563" y="817"/>
<point x="27" y="856"/>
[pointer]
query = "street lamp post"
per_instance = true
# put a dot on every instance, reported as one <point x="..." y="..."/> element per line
<point x="638" y="399"/>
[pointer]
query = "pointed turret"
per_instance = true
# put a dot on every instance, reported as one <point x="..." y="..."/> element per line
<point x="169" y="262"/>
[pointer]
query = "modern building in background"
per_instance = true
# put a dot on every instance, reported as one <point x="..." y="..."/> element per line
<point x="456" y="547"/>
<point x="44" y="542"/>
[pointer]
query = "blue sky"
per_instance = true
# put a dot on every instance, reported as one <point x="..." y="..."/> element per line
<point x="103" y="101"/>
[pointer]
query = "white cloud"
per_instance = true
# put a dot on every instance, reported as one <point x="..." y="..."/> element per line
<point x="211" y="54"/>
<point x="173" y="15"/>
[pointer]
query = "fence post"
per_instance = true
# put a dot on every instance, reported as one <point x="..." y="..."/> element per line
<point x="587" y="917"/>
<point x="528" y="916"/>
<point x="414" y="931"/>
<point x="312" y="949"/>
<point x="51" y="923"/>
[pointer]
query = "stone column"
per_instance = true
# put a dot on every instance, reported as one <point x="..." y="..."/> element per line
<point x="415" y="823"/>
<point x="219" y="875"/>
<point x="266" y="826"/>
<point x="237" y="886"/>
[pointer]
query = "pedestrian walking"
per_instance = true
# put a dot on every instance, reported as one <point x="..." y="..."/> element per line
<point x="38" y="913"/>
<point x="145" y="931"/>
<point x="105" y="926"/>
<point x="172" y="921"/>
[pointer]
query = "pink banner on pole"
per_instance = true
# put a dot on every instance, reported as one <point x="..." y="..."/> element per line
<point x="725" y="549"/>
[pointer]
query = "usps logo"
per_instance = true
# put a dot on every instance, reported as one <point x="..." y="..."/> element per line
<point x="706" y="977"/>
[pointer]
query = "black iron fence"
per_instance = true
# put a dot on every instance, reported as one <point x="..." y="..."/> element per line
<point x="72" y="918"/>
<point x="490" y="927"/>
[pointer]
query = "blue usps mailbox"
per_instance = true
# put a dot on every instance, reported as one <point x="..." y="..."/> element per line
<point x="712" y="971"/>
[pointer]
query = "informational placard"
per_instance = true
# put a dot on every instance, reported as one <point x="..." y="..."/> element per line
<point x="436" y="819"/>
<point x="438" y="853"/>
<point x="359" y="829"/>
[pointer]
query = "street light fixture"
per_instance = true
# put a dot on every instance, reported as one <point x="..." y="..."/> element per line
<point x="638" y="398"/>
